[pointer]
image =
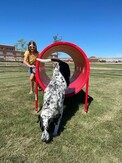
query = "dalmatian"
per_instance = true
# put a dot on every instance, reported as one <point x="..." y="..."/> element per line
<point x="53" y="100"/>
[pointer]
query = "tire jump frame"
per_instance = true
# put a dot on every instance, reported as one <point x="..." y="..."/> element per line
<point x="78" y="80"/>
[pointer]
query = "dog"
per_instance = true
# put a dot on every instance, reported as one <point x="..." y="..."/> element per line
<point x="54" y="95"/>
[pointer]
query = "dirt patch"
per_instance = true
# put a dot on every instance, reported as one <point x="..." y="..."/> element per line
<point x="101" y="68"/>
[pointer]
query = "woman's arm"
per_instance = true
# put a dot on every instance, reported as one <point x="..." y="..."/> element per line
<point x="25" y="61"/>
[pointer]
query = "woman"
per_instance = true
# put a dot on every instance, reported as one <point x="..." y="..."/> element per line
<point x="30" y="60"/>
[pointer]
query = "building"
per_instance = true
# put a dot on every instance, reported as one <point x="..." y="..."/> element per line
<point x="8" y="53"/>
<point x="93" y="59"/>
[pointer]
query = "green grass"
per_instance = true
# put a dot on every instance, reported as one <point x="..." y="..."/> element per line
<point x="93" y="137"/>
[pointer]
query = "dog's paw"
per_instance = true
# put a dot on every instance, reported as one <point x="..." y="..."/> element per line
<point x="55" y="134"/>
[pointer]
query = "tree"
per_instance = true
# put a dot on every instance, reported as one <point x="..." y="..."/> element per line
<point x="56" y="38"/>
<point x="21" y="45"/>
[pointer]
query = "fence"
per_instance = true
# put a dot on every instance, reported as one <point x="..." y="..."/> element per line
<point x="7" y="55"/>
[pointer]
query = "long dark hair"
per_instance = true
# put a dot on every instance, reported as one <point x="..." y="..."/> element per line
<point x="33" y="42"/>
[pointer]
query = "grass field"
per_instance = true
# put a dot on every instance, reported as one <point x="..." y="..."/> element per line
<point x="93" y="137"/>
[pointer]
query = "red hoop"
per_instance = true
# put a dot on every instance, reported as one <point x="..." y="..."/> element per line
<point x="82" y="69"/>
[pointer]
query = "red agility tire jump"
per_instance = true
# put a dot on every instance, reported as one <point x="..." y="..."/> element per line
<point x="81" y="67"/>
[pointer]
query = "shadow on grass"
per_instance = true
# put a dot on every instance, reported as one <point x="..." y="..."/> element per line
<point x="72" y="105"/>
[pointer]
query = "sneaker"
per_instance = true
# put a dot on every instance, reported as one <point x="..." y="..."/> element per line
<point x="31" y="92"/>
<point x="39" y="88"/>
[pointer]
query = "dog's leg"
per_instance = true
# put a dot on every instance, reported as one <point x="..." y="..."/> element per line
<point x="55" y="133"/>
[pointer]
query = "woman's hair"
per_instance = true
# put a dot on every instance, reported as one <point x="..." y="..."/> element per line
<point x="34" y="44"/>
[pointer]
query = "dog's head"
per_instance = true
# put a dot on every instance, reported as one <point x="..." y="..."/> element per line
<point x="47" y="125"/>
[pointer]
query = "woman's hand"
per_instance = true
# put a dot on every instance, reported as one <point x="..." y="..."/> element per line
<point x="32" y="66"/>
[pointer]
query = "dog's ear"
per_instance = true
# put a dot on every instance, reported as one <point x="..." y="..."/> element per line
<point x="56" y="118"/>
<point x="39" y="117"/>
<point x="41" y="122"/>
<point x="51" y="125"/>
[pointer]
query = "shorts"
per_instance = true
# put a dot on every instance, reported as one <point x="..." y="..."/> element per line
<point x="32" y="70"/>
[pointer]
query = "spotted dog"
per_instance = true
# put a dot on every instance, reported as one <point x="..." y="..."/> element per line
<point x="54" y="94"/>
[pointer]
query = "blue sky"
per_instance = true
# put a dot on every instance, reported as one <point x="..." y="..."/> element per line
<point x="93" y="25"/>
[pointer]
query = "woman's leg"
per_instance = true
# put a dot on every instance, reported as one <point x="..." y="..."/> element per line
<point x="32" y="80"/>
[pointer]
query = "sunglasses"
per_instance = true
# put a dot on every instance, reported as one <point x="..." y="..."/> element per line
<point x="32" y="47"/>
